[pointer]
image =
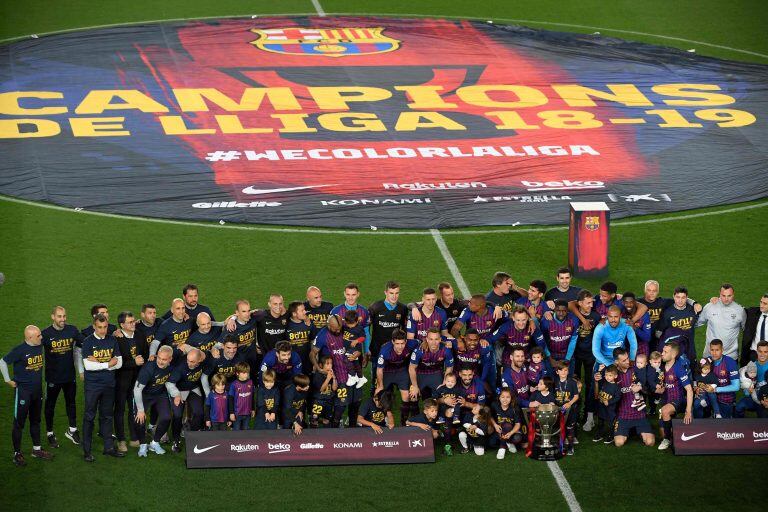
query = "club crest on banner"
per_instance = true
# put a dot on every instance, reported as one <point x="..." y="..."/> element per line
<point x="592" y="223"/>
<point x="335" y="42"/>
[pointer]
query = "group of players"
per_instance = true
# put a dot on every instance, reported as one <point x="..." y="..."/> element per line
<point x="607" y="362"/>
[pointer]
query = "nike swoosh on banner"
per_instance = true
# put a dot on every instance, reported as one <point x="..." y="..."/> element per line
<point x="688" y="438"/>
<point x="256" y="191"/>
<point x="203" y="450"/>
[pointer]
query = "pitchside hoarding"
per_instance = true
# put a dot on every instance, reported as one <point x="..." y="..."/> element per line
<point x="255" y="448"/>
<point x="358" y="122"/>
<point x="744" y="436"/>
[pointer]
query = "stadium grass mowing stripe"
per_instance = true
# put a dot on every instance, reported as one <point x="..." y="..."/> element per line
<point x="557" y="473"/>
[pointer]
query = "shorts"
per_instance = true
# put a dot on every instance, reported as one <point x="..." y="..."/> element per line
<point x="322" y="410"/>
<point x="678" y="404"/>
<point x="343" y="395"/>
<point x="624" y="427"/>
<point x="400" y="378"/>
<point x="428" y="383"/>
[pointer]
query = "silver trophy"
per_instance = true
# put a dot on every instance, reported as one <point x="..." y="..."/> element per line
<point x="547" y="444"/>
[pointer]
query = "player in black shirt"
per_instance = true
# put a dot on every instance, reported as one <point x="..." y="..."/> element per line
<point x="27" y="362"/>
<point x="300" y="332"/>
<point x="131" y="347"/>
<point x="450" y="304"/>
<point x="60" y="341"/>
<point x="504" y="291"/>
<point x="385" y="316"/>
<point x="192" y="308"/>
<point x="147" y="327"/>
<point x="317" y="309"/>
<point x="583" y="359"/>
<point x="563" y="290"/>
<point x="272" y="323"/>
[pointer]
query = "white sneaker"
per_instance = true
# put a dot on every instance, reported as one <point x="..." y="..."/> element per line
<point x="361" y="382"/>
<point x="479" y="450"/>
<point x="143" y="450"/>
<point x="479" y="432"/>
<point x="501" y="453"/>
<point x="463" y="440"/>
<point x="703" y="402"/>
<point x="718" y="416"/>
<point x="590" y="423"/>
<point x="466" y="426"/>
<point x="511" y="448"/>
<point x="351" y="380"/>
<point x="154" y="446"/>
<point x="664" y="444"/>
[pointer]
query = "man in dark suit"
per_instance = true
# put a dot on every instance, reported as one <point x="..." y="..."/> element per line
<point x="756" y="329"/>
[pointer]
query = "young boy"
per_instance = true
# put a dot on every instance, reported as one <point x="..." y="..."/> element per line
<point x="376" y="412"/>
<point x="641" y="365"/>
<point x="708" y="378"/>
<point x="268" y="402"/>
<point x="295" y="402"/>
<point x="445" y="393"/>
<point x="654" y="375"/>
<point x="354" y="337"/>
<point x="324" y="388"/>
<point x="217" y="404"/>
<point x="566" y="396"/>
<point x="608" y="398"/>
<point x="536" y="368"/>
<point x="242" y="398"/>
<point x="543" y="394"/>
<point x="427" y="420"/>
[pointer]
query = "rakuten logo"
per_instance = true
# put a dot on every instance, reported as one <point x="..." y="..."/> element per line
<point x="242" y="448"/>
<point x="534" y="186"/>
<point x="730" y="436"/>
<point x="447" y="185"/>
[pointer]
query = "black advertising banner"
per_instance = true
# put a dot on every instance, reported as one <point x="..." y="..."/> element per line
<point x="321" y="447"/>
<point x="743" y="436"/>
<point x="359" y="121"/>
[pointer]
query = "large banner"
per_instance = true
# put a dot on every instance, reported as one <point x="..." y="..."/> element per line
<point x="358" y="122"/>
<point x="743" y="436"/>
<point x="254" y="448"/>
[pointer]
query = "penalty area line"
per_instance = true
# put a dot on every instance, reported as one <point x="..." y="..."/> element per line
<point x="557" y="473"/>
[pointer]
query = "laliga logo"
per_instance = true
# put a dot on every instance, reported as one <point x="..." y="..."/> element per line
<point x="278" y="447"/>
<point x="311" y="446"/>
<point x="242" y="448"/>
<point x="730" y="436"/>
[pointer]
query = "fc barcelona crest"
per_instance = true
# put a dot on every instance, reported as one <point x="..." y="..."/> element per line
<point x="592" y="223"/>
<point x="333" y="42"/>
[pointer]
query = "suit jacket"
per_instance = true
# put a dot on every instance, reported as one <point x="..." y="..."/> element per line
<point x="750" y="329"/>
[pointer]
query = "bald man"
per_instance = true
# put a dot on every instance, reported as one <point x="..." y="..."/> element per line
<point x="174" y="331"/>
<point x="27" y="362"/>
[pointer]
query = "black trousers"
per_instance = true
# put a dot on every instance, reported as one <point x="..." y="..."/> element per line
<point x="103" y="400"/>
<point x="587" y="399"/>
<point x="124" y="399"/>
<point x="162" y="407"/>
<point x="195" y="404"/>
<point x="52" y="391"/>
<point x="28" y="403"/>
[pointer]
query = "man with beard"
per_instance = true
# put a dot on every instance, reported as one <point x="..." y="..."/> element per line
<point x="192" y="307"/>
<point x="185" y="388"/>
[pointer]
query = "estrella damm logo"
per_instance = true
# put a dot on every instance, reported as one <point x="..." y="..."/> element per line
<point x="333" y="42"/>
<point x="592" y="223"/>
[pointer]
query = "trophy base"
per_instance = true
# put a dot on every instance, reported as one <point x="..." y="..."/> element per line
<point x="546" y="454"/>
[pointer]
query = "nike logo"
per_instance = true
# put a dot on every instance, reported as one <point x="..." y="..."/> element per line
<point x="688" y="438"/>
<point x="257" y="191"/>
<point x="203" y="450"/>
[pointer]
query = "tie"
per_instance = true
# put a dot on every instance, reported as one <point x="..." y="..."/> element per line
<point x="762" y="328"/>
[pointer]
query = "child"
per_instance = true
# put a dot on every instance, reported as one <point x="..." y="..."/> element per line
<point x="268" y="402"/>
<point x="241" y="398"/>
<point x="543" y="394"/>
<point x="324" y="388"/>
<point x="708" y="378"/>
<point x="641" y="362"/>
<point x="216" y="404"/>
<point x="566" y="396"/>
<point x="294" y="404"/>
<point x="608" y="398"/>
<point x="447" y="391"/>
<point x="476" y="433"/>
<point x="655" y="377"/>
<point x="506" y="424"/>
<point x="536" y="368"/>
<point x="427" y="420"/>
<point x="354" y="336"/>
<point x="377" y="412"/>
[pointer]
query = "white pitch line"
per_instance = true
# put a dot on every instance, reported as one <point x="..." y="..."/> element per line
<point x="379" y="232"/>
<point x="318" y="7"/>
<point x="557" y="473"/>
